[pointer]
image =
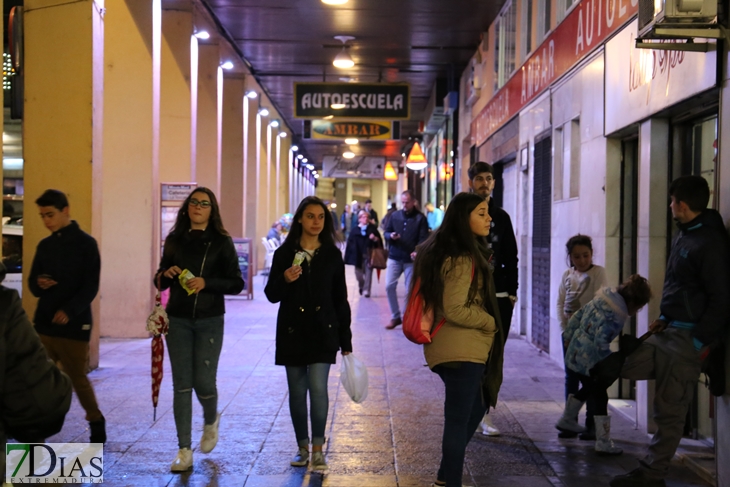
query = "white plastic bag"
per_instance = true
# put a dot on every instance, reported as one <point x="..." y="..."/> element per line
<point x="354" y="378"/>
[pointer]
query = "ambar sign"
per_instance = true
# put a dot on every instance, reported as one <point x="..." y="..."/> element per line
<point x="352" y="100"/>
<point x="341" y="129"/>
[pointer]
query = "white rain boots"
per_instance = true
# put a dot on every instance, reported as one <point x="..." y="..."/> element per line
<point x="604" y="444"/>
<point x="569" y="421"/>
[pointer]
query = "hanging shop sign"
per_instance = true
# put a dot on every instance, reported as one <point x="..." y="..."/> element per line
<point x="344" y="129"/>
<point x="585" y="28"/>
<point x="352" y="100"/>
<point x="360" y="167"/>
<point x="641" y="82"/>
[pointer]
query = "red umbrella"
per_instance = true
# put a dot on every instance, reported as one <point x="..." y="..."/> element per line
<point x="158" y="324"/>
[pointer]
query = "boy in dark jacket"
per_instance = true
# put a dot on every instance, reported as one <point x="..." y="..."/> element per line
<point x="405" y="230"/>
<point x="695" y="311"/>
<point x="65" y="279"/>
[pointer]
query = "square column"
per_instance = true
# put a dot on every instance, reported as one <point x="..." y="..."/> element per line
<point x="209" y="120"/>
<point x="250" y="171"/>
<point x="722" y="404"/>
<point x="62" y="125"/>
<point x="129" y="184"/>
<point x="651" y="251"/>
<point x="178" y="100"/>
<point x="263" y="203"/>
<point x="232" y="161"/>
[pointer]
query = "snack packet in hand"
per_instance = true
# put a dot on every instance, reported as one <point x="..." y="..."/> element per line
<point x="184" y="277"/>
<point x="298" y="258"/>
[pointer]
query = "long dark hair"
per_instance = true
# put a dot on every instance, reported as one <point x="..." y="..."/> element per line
<point x="326" y="237"/>
<point x="453" y="238"/>
<point x="182" y="223"/>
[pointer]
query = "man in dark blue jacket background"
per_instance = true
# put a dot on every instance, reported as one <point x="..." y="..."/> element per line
<point x="405" y="230"/>
<point x="65" y="279"/>
<point x="695" y="313"/>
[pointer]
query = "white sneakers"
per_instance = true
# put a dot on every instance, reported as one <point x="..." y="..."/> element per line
<point x="210" y="436"/>
<point x="488" y="427"/>
<point x="318" y="461"/>
<point x="184" y="460"/>
<point x="301" y="459"/>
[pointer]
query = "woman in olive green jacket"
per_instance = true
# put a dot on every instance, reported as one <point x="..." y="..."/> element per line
<point x="456" y="283"/>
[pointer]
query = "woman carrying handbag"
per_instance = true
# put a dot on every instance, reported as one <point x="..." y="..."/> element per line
<point x="308" y="279"/>
<point x="360" y="243"/>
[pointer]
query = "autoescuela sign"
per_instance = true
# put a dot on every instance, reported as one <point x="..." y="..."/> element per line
<point x="360" y="100"/>
<point x="585" y="28"/>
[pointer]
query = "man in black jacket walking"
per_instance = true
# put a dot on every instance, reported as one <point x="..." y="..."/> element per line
<point x="695" y="313"/>
<point x="502" y="241"/>
<point x="65" y="278"/>
<point x="405" y="230"/>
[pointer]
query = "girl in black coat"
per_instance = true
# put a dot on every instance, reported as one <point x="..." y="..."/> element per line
<point x="363" y="238"/>
<point x="199" y="244"/>
<point x="308" y="279"/>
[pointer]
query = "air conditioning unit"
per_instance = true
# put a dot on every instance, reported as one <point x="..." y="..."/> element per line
<point x="675" y="14"/>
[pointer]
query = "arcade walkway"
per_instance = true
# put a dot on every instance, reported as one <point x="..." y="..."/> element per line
<point x="392" y="439"/>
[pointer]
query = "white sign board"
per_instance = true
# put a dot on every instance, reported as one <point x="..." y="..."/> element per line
<point x="641" y="82"/>
<point x="363" y="167"/>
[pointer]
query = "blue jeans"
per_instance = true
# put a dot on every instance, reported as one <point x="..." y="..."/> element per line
<point x="194" y="346"/>
<point x="463" y="410"/>
<point x="312" y="378"/>
<point x="392" y="273"/>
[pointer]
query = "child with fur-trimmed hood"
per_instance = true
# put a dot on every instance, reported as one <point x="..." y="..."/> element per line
<point x="587" y="340"/>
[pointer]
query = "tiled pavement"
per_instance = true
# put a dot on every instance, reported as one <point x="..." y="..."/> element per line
<point x="392" y="439"/>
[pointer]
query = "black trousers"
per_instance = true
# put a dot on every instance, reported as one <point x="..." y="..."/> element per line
<point x="591" y="389"/>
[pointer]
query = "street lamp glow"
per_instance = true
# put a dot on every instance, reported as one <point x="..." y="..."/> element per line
<point x="227" y="65"/>
<point x="282" y="135"/>
<point x="274" y="123"/>
<point x="264" y="112"/>
<point x="348" y="154"/>
<point x="251" y="94"/>
<point x="294" y="148"/>
<point x="351" y="141"/>
<point x="202" y="34"/>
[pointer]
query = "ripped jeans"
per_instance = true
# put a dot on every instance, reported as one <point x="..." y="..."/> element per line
<point x="194" y="346"/>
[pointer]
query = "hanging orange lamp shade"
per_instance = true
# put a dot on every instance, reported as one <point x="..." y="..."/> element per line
<point x="390" y="174"/>
<point x="416" y="159"/>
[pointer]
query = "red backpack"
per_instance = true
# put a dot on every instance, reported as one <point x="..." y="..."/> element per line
<point x="418" y="324"/>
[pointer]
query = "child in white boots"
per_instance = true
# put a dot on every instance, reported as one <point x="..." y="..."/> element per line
<point x="587" y="340"/>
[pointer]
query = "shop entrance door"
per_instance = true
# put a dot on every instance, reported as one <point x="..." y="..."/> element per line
<point x="541" y="210"/>
<point x="628" y="208"/>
